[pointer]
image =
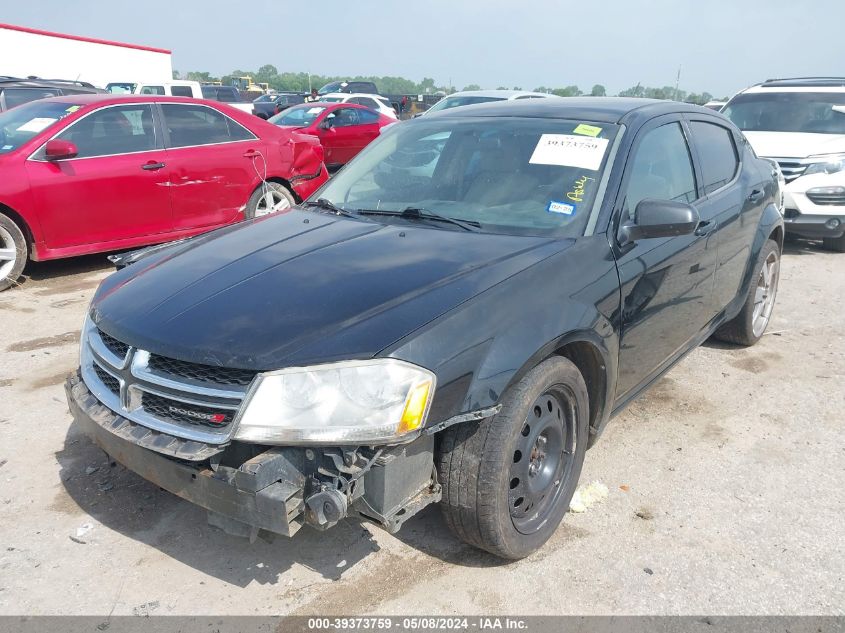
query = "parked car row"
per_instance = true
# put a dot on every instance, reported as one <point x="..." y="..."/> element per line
<point x="92" y="173"/>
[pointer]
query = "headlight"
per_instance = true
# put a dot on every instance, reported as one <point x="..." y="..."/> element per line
<point x="826" y="164"/>
<point x="351" y="402"/>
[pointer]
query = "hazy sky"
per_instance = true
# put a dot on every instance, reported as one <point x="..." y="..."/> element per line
<point x="721" y="45"/>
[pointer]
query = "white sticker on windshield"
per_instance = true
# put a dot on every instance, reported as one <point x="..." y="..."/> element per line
<point x="36" y="125"/>
<point x="314" y="110"/>
<point x="569" y="150"/>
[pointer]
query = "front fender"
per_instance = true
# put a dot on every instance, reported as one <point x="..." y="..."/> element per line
<point x="482" y="347"/>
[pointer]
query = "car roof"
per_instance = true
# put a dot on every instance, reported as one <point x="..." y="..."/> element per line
<point x="350" y="95"/>
<point x="110" y="99"/>
<point x="37" y="82"/>
<point x="598" y="109"/>
<point x="501" y="94"/>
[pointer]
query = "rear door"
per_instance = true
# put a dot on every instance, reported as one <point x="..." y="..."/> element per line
<point x="667" y="283"/>
<point x="214" y="163"/>
<point x="116" y="188"/>
<point x="729" y="199"/>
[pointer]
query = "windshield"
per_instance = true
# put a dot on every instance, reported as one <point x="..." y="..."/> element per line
<point x="333" y="99"/>
<point x="454" y="102"/>
<point x="809" y="112"/>
<point x="335" y="86"/>
<point x="300" y="116"/>
<point x="121" y="88"/>
<point x="20" y="124"/>
<point x="504" y="175"/>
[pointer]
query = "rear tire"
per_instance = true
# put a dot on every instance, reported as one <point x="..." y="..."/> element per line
<point x="13" y="252"/>
<point x="508" y="480"/>
<point x="748" y="327"/>
<point x="836" y="244"/>
<point x="269" y="198"/>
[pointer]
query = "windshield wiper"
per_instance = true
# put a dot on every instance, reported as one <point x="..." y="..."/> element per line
<point x="328" y="205"/>
<point x="417" y="213"/>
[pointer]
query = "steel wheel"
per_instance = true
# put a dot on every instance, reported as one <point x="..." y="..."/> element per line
<point x="8" y="253"/>
<point x="543" y="459"/>
<point x="764" y="294"/>
<point x="272" y="201"/>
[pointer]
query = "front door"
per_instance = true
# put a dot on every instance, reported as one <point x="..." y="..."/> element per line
<point x="667" y="283"/>
<point x="116" y="188"/>
<point x="349" y="131"/>
<point x="215" y="164"/>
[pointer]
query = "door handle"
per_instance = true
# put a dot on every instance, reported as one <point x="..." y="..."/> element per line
<point x="756" y="195"/>
<point x="704" y="227"/>
<point x="152" y="166"/>
<point x="251" y="153"/>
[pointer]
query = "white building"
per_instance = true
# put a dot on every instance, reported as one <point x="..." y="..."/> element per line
<point x="28" y="52"/>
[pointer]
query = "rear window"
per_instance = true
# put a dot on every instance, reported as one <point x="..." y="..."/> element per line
<point x="455" y="102"/>
<point x="181" y="91"/>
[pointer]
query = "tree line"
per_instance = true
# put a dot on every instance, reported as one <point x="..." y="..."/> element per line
<point x="303" y="82"/>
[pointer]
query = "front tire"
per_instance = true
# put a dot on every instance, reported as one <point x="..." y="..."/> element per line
<point x="747" y="327"/>
<point x="13" y="252"/>
<point x="269" y="198"/>
<point x="508" y="480"/>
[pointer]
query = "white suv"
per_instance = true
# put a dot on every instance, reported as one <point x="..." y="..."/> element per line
<point x="373" y="102"/>
<point x="800" y="123"/>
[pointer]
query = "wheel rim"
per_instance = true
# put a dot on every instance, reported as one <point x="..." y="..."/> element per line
<point x="764" y="294"/>
<point x="8" y="253"/>
<point x="543" y="459"/>
<point x="272" y="202"/>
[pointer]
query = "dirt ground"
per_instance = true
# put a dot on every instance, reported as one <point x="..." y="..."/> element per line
<point x="725" y="483"/>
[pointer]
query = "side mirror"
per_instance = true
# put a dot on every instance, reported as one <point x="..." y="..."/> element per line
<point x="57" y="149"/>
<point x="325" y="124"/>
<point x="659" y="218"/>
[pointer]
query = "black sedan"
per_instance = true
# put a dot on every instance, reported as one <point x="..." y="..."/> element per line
<point x="266" y="106"/>
<point x="453" y="318"/>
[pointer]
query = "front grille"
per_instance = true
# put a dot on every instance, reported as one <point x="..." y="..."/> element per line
<point x="827" y="199"/>
<point x="111" y="383"/>
<point x="202" y="373"/>
<point x="791" y="169"/>
<point x="185" y="413"/>
<point x="114" y="346"/>
<point x="186" y="400"/>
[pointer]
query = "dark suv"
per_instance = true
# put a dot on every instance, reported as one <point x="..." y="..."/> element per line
<point x="366" y="87"/>
<point x="15" y="91"/>
<point x="453" y="318"/>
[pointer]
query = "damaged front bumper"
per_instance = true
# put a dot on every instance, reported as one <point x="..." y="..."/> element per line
<point x="279" y="489"/>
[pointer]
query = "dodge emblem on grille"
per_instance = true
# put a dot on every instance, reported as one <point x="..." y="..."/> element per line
<point x="214" y="418"/>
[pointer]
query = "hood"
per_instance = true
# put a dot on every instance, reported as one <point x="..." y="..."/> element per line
<point x="303" y="287"/>
<point x="795" y="144"/>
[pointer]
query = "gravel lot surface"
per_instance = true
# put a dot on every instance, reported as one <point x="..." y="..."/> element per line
<point x="726" y="494"/>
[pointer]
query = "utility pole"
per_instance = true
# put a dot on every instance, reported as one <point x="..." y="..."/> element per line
<point x="677" y="83"/>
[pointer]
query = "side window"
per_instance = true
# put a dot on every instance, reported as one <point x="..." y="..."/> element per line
<point x="367" y="102"/>
<point x="190" y="125"/>
<point x="367" y="117"/>
<point x="346" y="117"/>
<point x="152" y="90"/>
<point x="717" y="152"/>
<point x="227" y="95"/>
<point x="181" y="91"/>
<point x="114" y="130"/>
<point x="661" y="168"/>
<point x="17" y="96"/>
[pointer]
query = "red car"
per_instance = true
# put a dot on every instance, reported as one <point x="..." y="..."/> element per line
<point x="344" y="129"/>
<point x="91" y="173"/>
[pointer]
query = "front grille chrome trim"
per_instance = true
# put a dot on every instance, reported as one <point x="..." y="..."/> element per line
<point x="134" y="376"/>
